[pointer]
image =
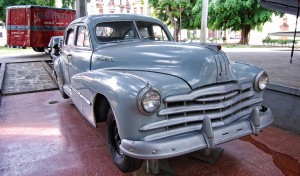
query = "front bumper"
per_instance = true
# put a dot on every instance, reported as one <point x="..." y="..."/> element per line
<point x="207" y="137"/>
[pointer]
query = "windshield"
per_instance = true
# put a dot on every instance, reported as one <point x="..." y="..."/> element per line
<point x="125" y="31"/>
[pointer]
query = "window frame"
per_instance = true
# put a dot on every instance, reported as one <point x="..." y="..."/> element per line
<point x="77" y="35"/>
<point x="66" y="39"/>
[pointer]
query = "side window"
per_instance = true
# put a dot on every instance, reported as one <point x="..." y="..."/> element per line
<point x="159" y="33"/>
<point x="144" y="33"/>
<point x="151" y="31"/>
<point x="82" y="37"/>
<point x="115" y="31"/>
<point x="103" y="31"/>
<point x="70" y="37"/>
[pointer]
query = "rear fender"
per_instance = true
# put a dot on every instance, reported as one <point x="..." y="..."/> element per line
<point x="58" y="71"/>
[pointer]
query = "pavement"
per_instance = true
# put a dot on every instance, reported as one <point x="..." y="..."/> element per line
<point x="43" y="134"/>
<point x="275" y="61"/>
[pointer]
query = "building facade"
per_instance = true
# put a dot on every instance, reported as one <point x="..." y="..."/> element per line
<point x="117" y="6"/>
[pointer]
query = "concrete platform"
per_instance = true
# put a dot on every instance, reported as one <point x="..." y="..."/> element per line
<point x="42" y="134"/>
<point x="25" y="73"/>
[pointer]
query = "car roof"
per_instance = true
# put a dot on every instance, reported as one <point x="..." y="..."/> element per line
<point x="114" y="17"/>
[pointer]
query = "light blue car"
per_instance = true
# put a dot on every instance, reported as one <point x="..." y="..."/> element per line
<point x="159" y="98"/>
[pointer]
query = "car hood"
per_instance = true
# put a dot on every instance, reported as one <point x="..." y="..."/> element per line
<point x="195" y="64"/>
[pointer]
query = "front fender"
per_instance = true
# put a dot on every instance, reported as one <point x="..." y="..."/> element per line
<point x="121" y="88"/>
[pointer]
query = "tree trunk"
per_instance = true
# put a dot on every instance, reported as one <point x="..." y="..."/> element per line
<point x="203" y="34"/>
<point x="245" y="35"/>
<point x="174" y="23"/>
<point x="176" y="33"/>
<point x="81" y="8"/>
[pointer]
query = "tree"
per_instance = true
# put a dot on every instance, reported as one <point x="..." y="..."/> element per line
<point x="238" y="15"/>
<point x="176" y="13"/>
<point x="68" y="4"/>
<point x="6" y="3"/>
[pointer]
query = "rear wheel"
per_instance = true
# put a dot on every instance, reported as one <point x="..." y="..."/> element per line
<point x="60" y="86"/>
<point x="38" y="49"/>
<point x="125" y="163"/>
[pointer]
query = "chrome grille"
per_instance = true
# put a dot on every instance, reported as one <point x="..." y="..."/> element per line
<point x="221" y="103"/>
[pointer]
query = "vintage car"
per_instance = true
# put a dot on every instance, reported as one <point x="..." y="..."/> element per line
<point x="159" y="98"/>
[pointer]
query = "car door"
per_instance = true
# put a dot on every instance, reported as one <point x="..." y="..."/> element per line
<point x="80" y="56"/>
<point x="79" y="61"/>
<point x="67" y="47"/>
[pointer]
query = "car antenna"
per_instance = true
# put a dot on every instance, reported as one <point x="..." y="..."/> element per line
<point x="293" y="47"/>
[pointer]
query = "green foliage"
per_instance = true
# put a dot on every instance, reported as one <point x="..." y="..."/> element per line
<point x="6" y="3"/>
<point x="277" y="42"/>
<point x="266" y="40"/>
<point x="176" y="13"/>
<point x="238" y="15"/>
<point x="68" y="4"/>
<point x="234" y="14"/>
<point x="197" y="14"/>
<point x="185" y="6"/>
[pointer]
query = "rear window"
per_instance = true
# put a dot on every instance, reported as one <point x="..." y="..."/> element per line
<point x="115" y="31"/>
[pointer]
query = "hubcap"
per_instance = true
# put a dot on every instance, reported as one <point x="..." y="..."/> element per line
<point x="116" y="140"/>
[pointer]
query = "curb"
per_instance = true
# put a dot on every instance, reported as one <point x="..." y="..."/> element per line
<point x="284" y="89"/>
<point x="2" y="72"/>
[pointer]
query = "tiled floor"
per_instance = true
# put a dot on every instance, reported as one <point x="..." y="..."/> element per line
<point x="42" y="134"/>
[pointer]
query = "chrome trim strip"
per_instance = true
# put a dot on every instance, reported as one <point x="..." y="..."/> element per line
<point x="224" y="104"/>
<point x="182" y="144"/>
<point x="218" y="98"/>
<point x="188" y="119"/>
<point x="81" y="96"/>
<point x="193" y="128"/>
<point x="225" y="88"/>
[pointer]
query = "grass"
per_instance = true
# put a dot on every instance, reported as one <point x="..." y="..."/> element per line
<point x="5" y="50"/>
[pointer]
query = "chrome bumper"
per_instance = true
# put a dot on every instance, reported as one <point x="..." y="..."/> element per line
<point x="207" y="137"/>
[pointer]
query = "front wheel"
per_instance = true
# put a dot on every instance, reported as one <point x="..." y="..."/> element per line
<point x="60" y="87"/>
<point x="125" y="163"/>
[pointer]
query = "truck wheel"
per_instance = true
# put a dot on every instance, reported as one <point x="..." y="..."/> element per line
<point x="125" y="163"/>
<point x="38" y="49"/>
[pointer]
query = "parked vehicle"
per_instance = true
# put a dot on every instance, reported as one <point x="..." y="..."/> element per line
<point x="33" y="26"/>
<point x="159" y="98"/>
<point x="54" y="46"/>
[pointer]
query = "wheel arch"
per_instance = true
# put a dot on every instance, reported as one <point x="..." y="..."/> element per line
<point x="101" y="107"/>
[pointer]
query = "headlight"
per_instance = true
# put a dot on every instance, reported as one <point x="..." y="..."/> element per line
<point x="261" y="81"/>
<point x="149" y="100"/>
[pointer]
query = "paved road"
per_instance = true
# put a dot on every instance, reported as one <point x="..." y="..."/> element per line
<point x="275" y="61"/>
<point x="21" y="56"/>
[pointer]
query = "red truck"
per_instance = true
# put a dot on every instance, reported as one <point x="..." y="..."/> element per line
<point x="33" y="26"/>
